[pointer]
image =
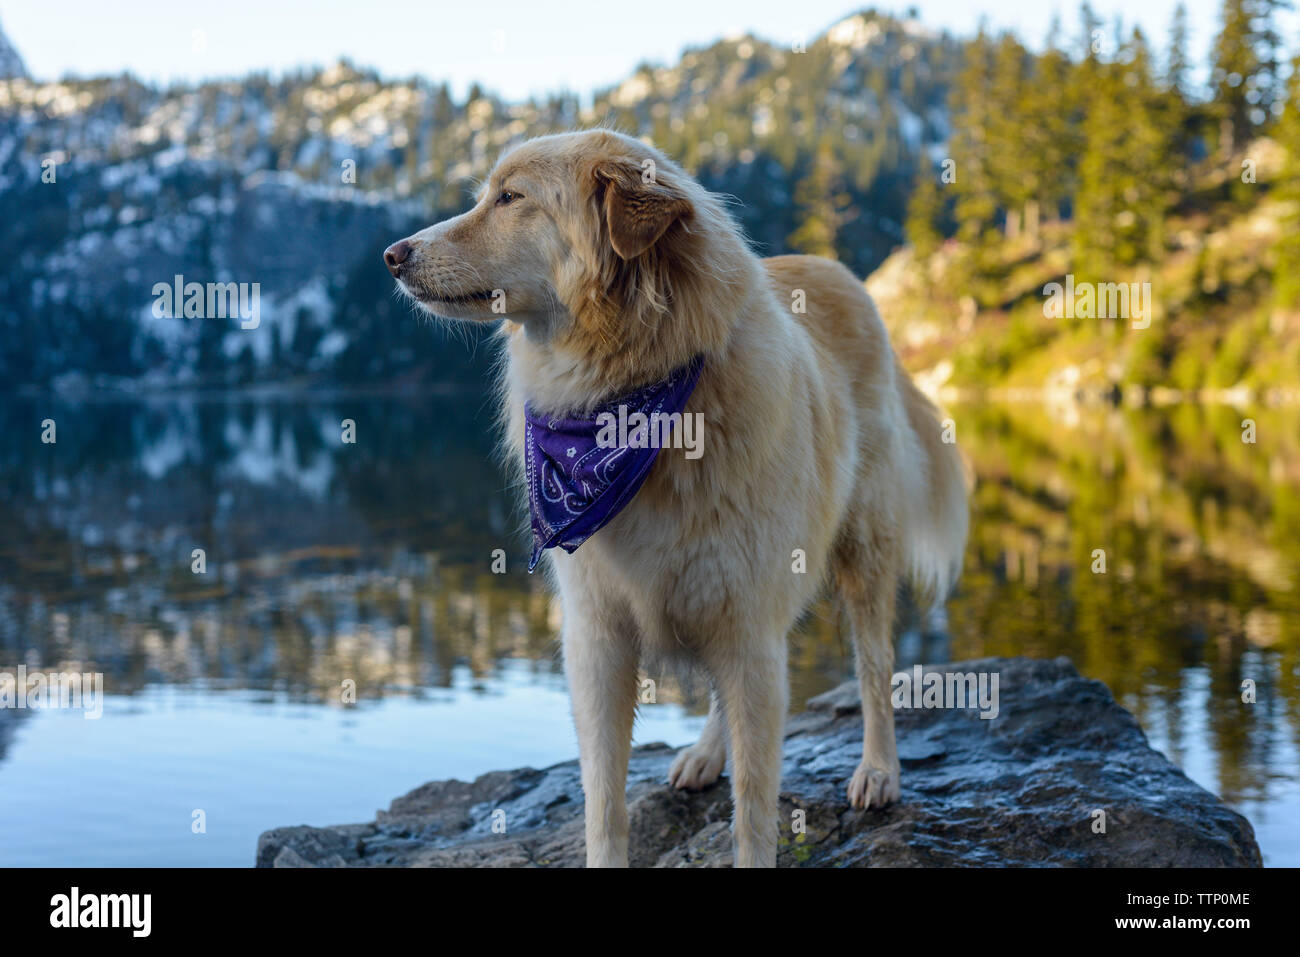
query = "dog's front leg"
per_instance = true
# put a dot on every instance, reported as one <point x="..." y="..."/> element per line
<point x="755" y="694"/>
<point x="600" y="660"/>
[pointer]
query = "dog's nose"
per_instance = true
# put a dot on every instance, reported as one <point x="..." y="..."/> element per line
<point x="395" y="255"/>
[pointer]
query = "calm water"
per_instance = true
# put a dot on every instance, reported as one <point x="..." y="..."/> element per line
<point x="371" y="562"/>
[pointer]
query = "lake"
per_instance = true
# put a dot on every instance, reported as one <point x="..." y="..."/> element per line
<point x="1154" y="547"/>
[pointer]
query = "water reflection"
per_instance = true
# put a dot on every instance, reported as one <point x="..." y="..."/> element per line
<point x="371" y="561"/>
<point x="323" y="559"/>
<point x="1200" y="532"/>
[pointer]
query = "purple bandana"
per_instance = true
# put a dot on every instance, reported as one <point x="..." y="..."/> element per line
<point x="575" y="487"/>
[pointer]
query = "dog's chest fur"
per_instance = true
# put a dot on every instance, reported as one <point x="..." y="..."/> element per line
<point x="713" y="546"/>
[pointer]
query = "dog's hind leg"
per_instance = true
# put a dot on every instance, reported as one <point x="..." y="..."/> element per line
<point x="864" y="563"/>
<point x="699" y="765"/>
<point x="755" y="695"/>
<point x="600" y="661"/>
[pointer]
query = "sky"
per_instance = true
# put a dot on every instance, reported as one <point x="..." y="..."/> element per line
<point x="515" y="49"/>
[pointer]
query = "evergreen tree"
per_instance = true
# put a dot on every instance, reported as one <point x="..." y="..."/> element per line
<point x="1269" y="83"/>
<point x="924" y="212"/>
<point x="821" y="204"/>
<point x="1286" y="269"/>
<point x="1097" y="204"/>
<point x="976" y="203"/>
<point x="1052" y="134"/>
<point x="1013" y="180"/>
<point x="1178" y="113"/>
<point x="1234" y="75"/>
<point x="1090" y="42"/>
<point x="1151" y="136"/>
<point x="1124" y="193"/>
<point x="1178" y="66"/>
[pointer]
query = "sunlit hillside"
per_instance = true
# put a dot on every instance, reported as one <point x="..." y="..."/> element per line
<point x="1215" y="331"/>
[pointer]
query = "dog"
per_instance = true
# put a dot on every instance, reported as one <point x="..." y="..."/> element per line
<point x="822" y="464"/>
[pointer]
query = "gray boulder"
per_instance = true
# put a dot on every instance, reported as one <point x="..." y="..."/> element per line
<point x="1021" y="789"/>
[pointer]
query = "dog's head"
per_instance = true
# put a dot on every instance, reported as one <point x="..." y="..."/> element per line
<point x="585" y="234"/>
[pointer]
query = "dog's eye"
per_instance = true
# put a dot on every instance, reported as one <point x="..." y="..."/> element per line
<point x="507" y="197"/>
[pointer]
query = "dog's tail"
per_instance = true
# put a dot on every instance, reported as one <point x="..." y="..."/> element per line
<point x="935" y="536"/>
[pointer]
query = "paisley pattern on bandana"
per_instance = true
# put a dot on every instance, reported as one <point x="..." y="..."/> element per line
<point x="575" y="487"/>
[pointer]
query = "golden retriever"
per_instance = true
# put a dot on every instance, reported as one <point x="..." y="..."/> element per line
<point x="822" y="463"/>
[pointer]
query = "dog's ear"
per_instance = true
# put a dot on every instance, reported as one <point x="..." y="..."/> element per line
<point x="638" y="208"/>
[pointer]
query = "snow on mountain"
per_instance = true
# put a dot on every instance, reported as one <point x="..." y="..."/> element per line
<point x="298" y="182"/>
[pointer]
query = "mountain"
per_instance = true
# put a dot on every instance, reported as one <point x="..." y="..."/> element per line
<point x="113" y="186"/>
<point x="11" y="64"/>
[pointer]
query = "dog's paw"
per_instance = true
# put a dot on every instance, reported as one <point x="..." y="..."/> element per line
<point x="696" y="768"/>
<point x="871" y="787"/>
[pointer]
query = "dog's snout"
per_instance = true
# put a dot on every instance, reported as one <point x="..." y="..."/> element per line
<point x="395" y="255"/>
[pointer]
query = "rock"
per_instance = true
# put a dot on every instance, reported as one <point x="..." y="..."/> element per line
<point x="1020" y="789"/>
